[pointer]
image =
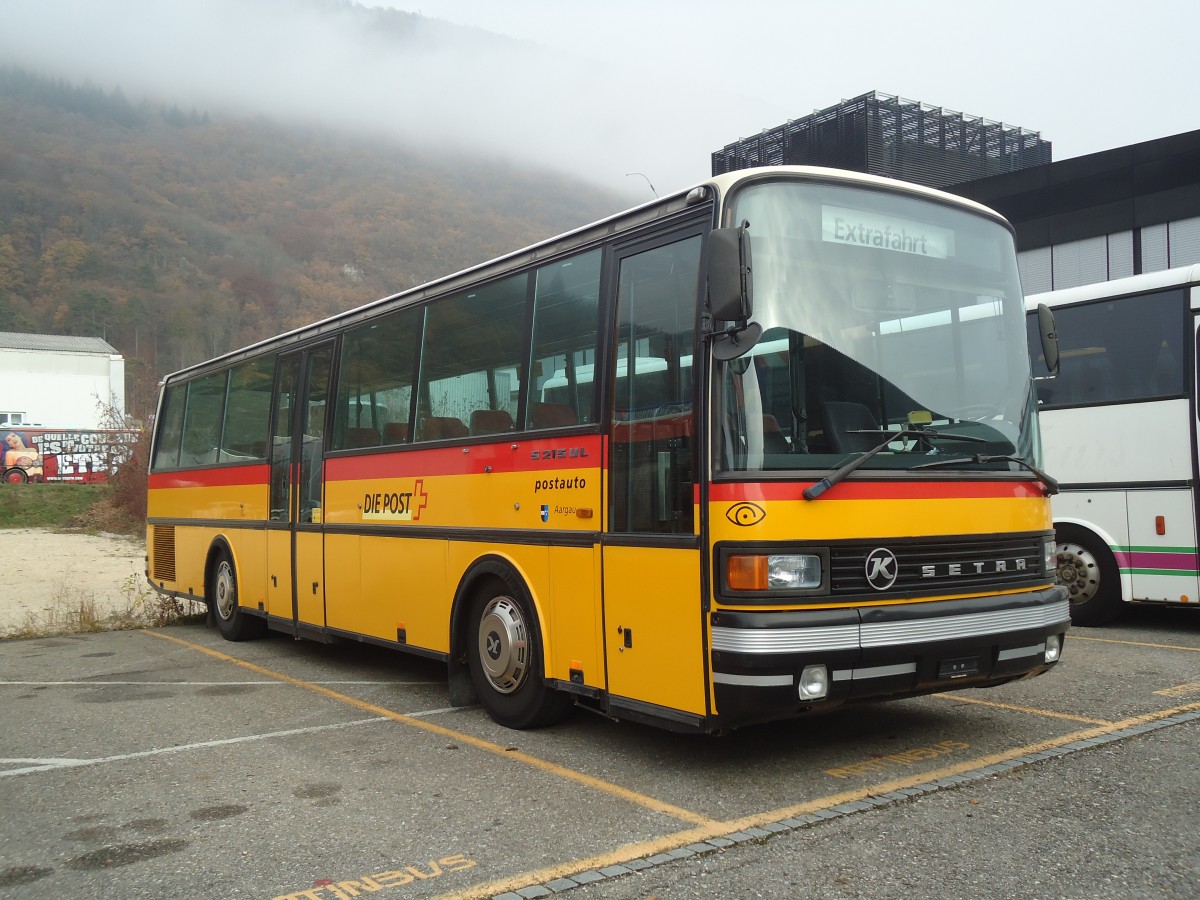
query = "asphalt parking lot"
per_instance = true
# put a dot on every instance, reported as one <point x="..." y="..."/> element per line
<point x="169" y="763"/>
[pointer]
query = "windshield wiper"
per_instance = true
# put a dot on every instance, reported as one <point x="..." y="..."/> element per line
<point x="813" y="491"/>
<point x="1051" y="486"/>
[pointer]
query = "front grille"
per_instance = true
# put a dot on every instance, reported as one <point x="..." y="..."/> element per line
<point x="942" y="566"/>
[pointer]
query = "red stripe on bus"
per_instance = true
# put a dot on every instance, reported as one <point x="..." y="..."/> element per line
<point x="227" y="476"/>
<point x="516" y="455"/>
<point x="877" y="490"/>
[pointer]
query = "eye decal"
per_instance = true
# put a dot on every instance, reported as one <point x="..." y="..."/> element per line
<point x="745" y="514"/>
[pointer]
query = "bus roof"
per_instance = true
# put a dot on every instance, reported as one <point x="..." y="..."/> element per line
<point x="709" y="191"/>
<point x="1134" y="284"/>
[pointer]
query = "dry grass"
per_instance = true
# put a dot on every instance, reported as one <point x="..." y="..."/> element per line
<point x="70" y="610"/>
<point x="119" y="507"/>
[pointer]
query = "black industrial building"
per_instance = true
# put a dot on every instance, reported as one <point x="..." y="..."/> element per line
<point x="889" y="136"/>
<point x="1091" y="218"/>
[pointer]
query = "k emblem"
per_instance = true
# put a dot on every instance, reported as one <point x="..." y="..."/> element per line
<point x="881" y="568"/>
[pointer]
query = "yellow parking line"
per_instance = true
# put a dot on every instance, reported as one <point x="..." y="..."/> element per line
<point x="666" y="843"/>
<point x="1180" y="690"/>
<point x="597" y="784"/>
<point x="706" y="827"/>
<point x="1096" y="640"/>
<point x="959" y="768"/>
<point x="1032" y="710"/>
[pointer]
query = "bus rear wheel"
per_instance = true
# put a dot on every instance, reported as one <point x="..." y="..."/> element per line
<point x="505" y="659"/>
<point x="1088" y="570"/>
<point x="232" y="622"/>
<point x="16" y="476"/>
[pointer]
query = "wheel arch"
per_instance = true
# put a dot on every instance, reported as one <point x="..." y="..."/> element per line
<point x="492" y="566"/>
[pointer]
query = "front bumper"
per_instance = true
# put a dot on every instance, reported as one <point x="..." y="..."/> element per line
<point x="879" y="652"/>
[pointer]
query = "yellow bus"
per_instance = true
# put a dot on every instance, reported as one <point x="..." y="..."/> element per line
<point x="757" y="449"/>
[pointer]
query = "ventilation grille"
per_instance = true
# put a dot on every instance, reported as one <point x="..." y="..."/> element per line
<point x="164" y="553"/>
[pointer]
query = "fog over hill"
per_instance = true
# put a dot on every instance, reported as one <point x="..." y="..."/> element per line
<point x="425" y="82"/>
<point x="177" y="234"/>
<point x="184" y="177"/>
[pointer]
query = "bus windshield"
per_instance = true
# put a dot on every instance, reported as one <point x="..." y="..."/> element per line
<point x="880" y="312"/>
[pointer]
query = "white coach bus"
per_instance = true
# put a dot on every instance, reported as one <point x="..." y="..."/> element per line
<point x="1119" y="433"/>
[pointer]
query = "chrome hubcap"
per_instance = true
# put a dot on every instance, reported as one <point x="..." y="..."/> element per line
<point x="1078" y="571"/>
<point x="504" y="644"/>
<point x="224" y="592"/>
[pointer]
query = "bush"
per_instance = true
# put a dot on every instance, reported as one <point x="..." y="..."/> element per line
<point x="122" y="508"/>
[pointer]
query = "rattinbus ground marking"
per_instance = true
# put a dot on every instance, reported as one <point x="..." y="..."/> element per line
<point x="598" y="784"/>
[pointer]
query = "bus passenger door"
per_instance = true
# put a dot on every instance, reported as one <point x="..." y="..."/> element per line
<point x="653" y="620"/>
<point x="295" y="552"/>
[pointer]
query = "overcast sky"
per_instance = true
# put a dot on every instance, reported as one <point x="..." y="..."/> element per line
<point x="603" y="88"/>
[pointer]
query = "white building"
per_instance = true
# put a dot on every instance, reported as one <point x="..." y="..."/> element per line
<point x="60" y="381"/>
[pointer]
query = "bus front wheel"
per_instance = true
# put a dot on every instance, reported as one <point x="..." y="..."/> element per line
<point x="505" y="659"/>
<point x="1088" y="570"/>
<point x="16" y="476"/>
<point x="232" y="622"/>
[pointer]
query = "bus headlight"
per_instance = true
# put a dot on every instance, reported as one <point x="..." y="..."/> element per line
<point x="1050" y="551"/>
<point x="814" y="683"/>
<point x="774" y="572"/>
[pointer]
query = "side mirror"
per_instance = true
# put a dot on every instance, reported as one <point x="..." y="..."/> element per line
<point x="731" y="291"/>
<point x="1049" y="337"/>
<point x="730" y="285"/>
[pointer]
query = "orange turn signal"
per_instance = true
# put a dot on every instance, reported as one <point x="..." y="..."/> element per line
<point x="747" y="573"/>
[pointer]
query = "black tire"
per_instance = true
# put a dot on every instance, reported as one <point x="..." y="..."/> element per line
<point x="1087" y="568"/>
<point x="504" y="654"/>
<point x="16" y="476"/>
<point x="232" y="622"/>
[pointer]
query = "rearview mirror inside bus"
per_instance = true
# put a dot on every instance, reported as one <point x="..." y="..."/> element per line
<point x="1049" y="337"/>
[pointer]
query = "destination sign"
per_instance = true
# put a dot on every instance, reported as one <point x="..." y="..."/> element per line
<point x="860" y="228"/>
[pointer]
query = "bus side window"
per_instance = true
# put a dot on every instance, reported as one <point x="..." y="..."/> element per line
<point x="472" y="359"/>
<point x="551" y="415"/>
<point x="440" y="428"/>
<point x="170" y="428"/>
<point x="565" y="315"/>
<point x="652" y="411"/>
<point x="248" y="411"/>
<point x="202" y="420"/>
<point x="374" y="399"/>
<point x="395" y="433"/>
<point x="491" y="421"/>
<point x="361" y="437"/>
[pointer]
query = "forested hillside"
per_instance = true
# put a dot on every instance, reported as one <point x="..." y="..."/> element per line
<point x="176" y="235"/>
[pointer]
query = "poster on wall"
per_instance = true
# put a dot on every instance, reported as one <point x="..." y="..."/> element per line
<point x="63" y="455"/>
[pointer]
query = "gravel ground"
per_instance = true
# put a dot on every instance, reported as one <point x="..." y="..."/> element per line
<point x="50" y="574"/>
